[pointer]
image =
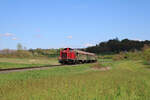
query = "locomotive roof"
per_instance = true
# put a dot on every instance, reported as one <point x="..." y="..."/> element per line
<point x="83" y="52"/>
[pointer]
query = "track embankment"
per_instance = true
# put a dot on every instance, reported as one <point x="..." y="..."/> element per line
<point x="27" y="68"/>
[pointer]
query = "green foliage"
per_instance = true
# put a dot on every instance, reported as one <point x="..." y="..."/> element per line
<point x="105" y="56"/>
<point x="18" y="53"/>
<point x="147" y="55"/>
<point x="136" y="55"/>
<point x="23" y="53"/>
<point x="19" y="47"/>
<point x="44" y="52"/>
<point x="119" y="56"/>
<point x="132" y="55"/>
<point x="32" y="53"/>
<point x="117" y="46"/>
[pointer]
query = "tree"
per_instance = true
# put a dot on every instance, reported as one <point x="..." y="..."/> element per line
<point x="116" y="46"/>
<point x="19" y="46"/>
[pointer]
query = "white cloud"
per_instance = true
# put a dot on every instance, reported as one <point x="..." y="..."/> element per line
<point x="138" y="40"/>
<point x="69" y="37"/>
<point x="88" y="44"/>
<point x="8" y="34"/>
<point x="14" y="38"/>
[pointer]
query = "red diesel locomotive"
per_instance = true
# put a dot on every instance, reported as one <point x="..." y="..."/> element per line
<point x="71" y="56"/>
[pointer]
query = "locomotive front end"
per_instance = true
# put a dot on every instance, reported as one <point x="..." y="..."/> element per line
<point x="67" y="56"/>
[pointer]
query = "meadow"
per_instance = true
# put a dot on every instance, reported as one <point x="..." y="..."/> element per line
<point x="126" y="80"/>
<point x="26" y="62"/>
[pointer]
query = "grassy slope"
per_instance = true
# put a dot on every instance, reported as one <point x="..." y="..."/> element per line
<point x="127" y="80"/>
<point x="16" y="62"/>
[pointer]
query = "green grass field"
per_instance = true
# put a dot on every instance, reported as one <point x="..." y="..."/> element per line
<point x="24" y="62"/>
<point x="126" y="80"/>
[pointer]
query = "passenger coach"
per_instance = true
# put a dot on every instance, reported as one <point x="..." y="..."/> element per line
<point x="71" y="56"/>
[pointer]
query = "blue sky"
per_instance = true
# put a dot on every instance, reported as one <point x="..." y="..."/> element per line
<point x="71" y="23"/>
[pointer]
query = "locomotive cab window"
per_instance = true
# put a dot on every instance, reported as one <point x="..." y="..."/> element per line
<point x="68" y="48"/>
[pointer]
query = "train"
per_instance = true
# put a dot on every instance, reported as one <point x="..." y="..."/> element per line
<point x="72" y="56"/>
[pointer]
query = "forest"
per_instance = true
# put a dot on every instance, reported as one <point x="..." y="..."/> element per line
<point x="114" y="46"/>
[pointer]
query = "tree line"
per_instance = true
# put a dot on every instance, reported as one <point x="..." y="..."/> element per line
<point x="113" y="46"/>
<point x="22" y="52"/>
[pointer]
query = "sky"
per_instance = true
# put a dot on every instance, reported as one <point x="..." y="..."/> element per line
<point x="71" y="23"/>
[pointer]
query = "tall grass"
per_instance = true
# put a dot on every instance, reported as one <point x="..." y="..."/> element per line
<point x="135" y="55"/>
<point x="147" y="55"/>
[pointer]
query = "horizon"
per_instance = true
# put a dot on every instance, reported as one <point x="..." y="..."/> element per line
<point x="76" y="24"/>
<point x="24" y="48"/>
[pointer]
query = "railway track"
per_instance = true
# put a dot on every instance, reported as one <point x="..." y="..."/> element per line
<point x="27" y="68"/>
<point x="7" y="70"/>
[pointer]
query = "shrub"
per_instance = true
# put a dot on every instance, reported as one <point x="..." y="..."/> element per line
<point x="136" y="55"/>
<point x="146" y="55"/>
<point x="19" y="53"/>
<point x="119" y="56"/>
<point x="23" y="53"/>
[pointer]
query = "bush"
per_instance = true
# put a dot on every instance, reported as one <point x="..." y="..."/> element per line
<point x="136" y="55"/>
<point x="19" y="53"/>
<point x="23" y="53"/>
<point x="119" y="56"/>
<point x="45" y="53"/>
<point x="146" y="55"/>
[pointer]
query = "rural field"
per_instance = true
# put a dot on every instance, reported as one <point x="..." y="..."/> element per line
<point x="75" y="50"/>
<point x="124" y="80"/>
<point x="26" y="62"/>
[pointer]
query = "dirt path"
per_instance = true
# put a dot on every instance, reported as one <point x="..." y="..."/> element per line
<point x="102" y="68"/>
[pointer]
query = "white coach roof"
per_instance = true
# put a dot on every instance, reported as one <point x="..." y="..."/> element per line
<point x="82" y="52"/>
